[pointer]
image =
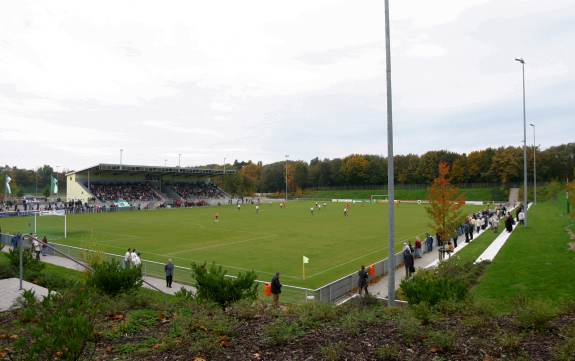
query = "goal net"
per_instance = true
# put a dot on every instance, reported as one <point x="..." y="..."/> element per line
<point x="378" y="198"/>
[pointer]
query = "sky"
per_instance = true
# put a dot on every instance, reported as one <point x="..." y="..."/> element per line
<point x="258" y="80"/>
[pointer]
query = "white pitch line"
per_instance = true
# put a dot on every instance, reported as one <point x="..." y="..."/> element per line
<point x="222" y="244"/>
<point x="353" y="260"/>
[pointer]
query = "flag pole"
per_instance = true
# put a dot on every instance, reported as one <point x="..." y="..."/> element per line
<point x="303" y="268"/>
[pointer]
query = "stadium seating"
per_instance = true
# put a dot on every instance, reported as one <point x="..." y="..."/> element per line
<point x="198" y="190"/>
<point x="127" y="192"/>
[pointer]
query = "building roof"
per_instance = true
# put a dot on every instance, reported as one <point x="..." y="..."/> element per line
<point x="115" y="169"/>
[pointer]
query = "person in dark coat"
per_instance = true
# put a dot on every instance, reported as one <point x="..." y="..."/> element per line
<point x="362" y="280"/>
<point x="509" y="223"/>
<point x="408" y="261"/>
<point x="276" y="289"/>
<point x="429" y="242"/>
<point x="169" y="269"/>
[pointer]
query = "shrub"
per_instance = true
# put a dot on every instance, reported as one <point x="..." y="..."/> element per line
<point x="281" y="332"/>
<point x="111" y="278"/>
<point x="443" y="340"/>
<point x="61" y="325"/>
<point x="213" y="285"/>
<point x="388" y="352"/>
<point x="6" y="271"/>
<point x="431" y="288"/>
<point x="534" y="314"/>
<point x="32" y="267"/>
<point x="332" y="352"/>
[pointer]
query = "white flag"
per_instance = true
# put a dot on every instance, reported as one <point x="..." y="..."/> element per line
<point x="7" y="185"/>
<point x="305" y="259"/>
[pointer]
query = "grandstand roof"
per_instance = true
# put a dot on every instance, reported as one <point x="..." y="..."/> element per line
<point x="145" y="169"/>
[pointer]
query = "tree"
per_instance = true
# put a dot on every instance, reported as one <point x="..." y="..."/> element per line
<point x="445" y="204"/>
<point x="355" y="170"/>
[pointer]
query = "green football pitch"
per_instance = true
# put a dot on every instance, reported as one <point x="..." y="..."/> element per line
<point x="274" y="240"/>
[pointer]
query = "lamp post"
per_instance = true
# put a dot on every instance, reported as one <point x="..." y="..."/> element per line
<point x="224" y="176"/>
<point x="390" y="177"/>
<point x="165" y="162"/>
<point x="287" y="155"/>
<point x="121" y="154"/>
<point x="524" y="144"/>
<point x="179" y="159"/>
<point x="534" y="167"/>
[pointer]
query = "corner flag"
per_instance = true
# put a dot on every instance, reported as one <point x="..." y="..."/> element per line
<point x="305" y="260"/>
<point x="54" y="185"/>
<point x="7" y="185"/>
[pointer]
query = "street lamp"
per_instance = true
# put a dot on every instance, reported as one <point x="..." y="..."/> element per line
<point x="390" y="178"/>
<point x="224" y="177"/>
<point x="287" y="155"/>
<point x="534" y="167"/>
<point x="179" y="159"/>
<point x="524" y="144"/>
<point x="165" y="162"/>
<point x="121" y="153"/>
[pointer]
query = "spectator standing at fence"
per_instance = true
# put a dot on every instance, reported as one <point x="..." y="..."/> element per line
<point x="127" y="258"/>
<point x="169" y="268"/>
<point x="276" y="289"/>
<point x="137" y="260"/>
<point x="44" y="246"/>
<point x="133" y="256"/>
<point x="36" y="248"/>
<point x="408" y="260"/>
<point x="362" y="280"/>
<point x="495" y="223"/>
<point x="418" y="250"/>
<point x="429" y="242"/>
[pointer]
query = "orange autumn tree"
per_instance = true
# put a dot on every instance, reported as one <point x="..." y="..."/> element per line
<point x="445" y="204"/>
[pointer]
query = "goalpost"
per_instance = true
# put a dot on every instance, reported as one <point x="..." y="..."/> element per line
<point x="58" y="213"/>
<point x="378" y="198"/>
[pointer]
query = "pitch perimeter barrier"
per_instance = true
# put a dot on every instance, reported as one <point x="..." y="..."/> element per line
<point x="290" y="294"/>
<point x="342" y="287"/>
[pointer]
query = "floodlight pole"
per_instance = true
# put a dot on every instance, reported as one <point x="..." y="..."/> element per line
<point x="534" y="167"/>
<point x="179" y="159"/>
<point x="287" y="155"/>
<point x="121" y="153"/>
<point x="522" y="61"/>
<point x="390" y="177"/>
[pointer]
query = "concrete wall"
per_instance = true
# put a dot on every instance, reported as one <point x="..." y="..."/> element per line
<point x="75" y="190"/>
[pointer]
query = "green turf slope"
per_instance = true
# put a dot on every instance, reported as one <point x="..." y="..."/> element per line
<point x="535" y="262"/>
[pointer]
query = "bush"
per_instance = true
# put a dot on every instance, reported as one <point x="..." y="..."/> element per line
<point x="534" y="314"/>
<point x="6" y="271"/>
<point x="213" y="285"/>
<point x="333" y="351"/>
<point x="388" y="352"/>
<point x="32" y="267"/>
<point x="443" y="340"/>
<point x="111" y="278"/>
<point x="61" y="325"/>
<point x="429" y="287"/>
<point x="281" y="332"/>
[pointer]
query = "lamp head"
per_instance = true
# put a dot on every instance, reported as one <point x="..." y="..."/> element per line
<point x="531" y="124"/>
<point x="520" y="60"/>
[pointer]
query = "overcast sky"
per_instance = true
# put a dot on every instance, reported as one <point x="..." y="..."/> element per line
<point x="255" y="80"/>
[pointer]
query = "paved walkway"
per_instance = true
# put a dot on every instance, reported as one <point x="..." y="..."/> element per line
<point x="158" y="283"/>
<point x="494" y="248"/>
<point x="428" y="260"/>
<point x="10" y="292"/>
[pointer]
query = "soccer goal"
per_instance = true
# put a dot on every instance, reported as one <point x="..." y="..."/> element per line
<point x="52" y="226"/>
<point x="378" y="198"/>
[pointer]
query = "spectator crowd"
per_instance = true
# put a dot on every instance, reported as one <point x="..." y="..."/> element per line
<point x="127" y="192"/>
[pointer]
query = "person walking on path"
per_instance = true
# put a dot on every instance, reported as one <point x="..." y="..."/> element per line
<point x="408" y="261"/>
<point x="362" y="281"/>
<point x="276" y="290"/>
<point x="521" y="217"/>
<point x="509" y="223"/>
<point x="169" y="268"/>
<point x="37" y="248"/>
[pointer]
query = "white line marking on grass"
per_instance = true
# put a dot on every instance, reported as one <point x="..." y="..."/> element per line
<point x="222" y="244"/>
<point x="353" y="260"/>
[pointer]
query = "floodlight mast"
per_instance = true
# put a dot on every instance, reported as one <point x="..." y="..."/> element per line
<point x="390" y="177"/>
<point x="522" y="61"/>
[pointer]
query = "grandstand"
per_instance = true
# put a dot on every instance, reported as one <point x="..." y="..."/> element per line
<point x="116" y="185"/>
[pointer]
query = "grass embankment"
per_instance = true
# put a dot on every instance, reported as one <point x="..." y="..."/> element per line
<point x="471" y="194"/>
<point x="535" y="263"/>
<point x="476" y="247"/>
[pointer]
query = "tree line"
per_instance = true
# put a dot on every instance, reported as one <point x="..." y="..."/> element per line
<point x="503" y="166"/>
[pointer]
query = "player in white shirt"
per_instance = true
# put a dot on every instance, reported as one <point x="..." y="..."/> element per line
<point x="345" y="211"/>
<point x="257" y="209"/>
<point x="311" y="210"/>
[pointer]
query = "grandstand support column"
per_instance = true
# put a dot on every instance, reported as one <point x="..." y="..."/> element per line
<point x="390" y="178"/>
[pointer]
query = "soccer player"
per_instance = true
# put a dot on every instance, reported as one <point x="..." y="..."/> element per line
<point x="311" y="210"/>
<point x="319" y="207"/>
<point x="345" y="211"/>
<point x="281" y="205"/>
<point x="257" y="209"/>
<point x="216" y="217"/>
<point x="239" y="206"/>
